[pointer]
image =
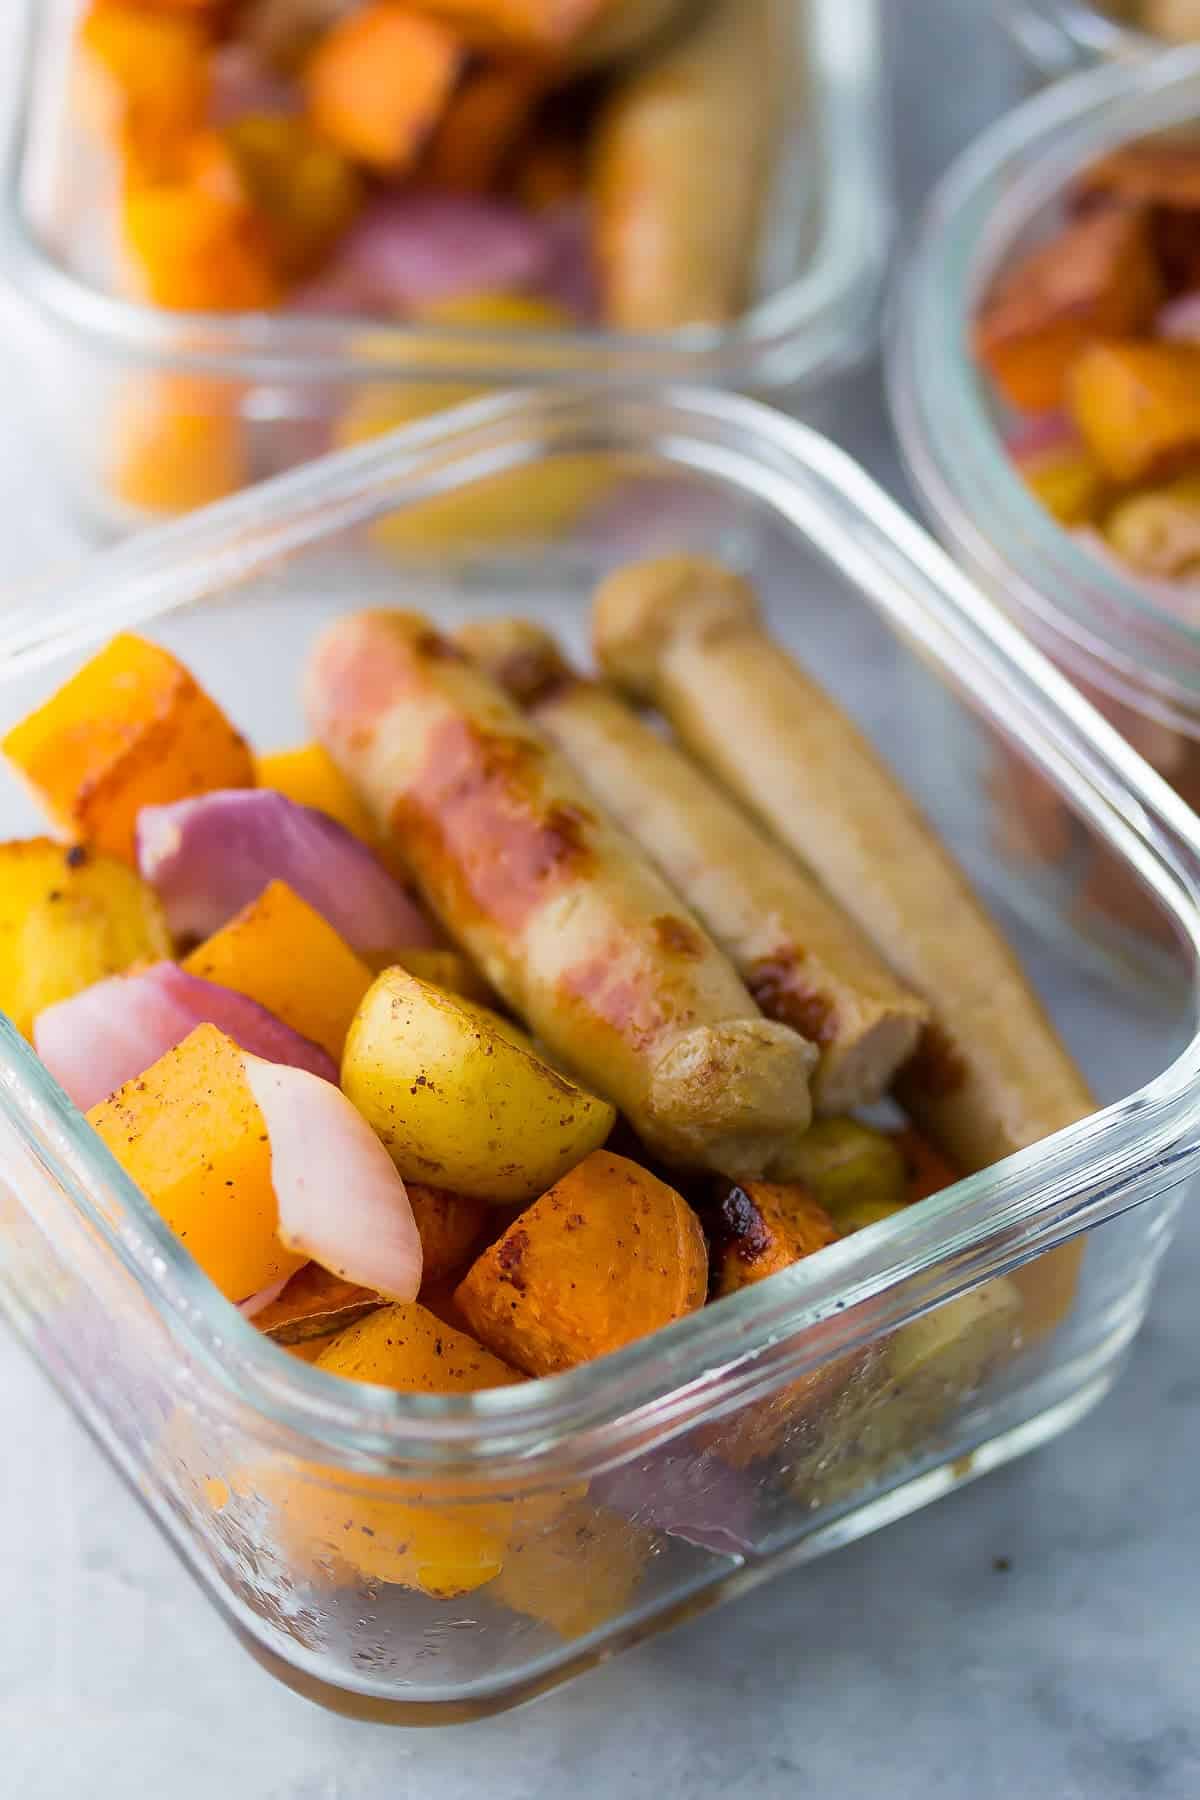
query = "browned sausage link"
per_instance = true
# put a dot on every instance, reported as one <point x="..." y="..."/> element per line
<point x="680" y="168"/>
<point x="992" y="1075"/>
<point x="569" y="923"/>
<point x="798" y="954"/>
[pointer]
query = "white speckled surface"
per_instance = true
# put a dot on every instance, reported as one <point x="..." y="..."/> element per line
<point x="908" y="1665"/>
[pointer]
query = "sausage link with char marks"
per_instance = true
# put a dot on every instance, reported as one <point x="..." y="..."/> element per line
<point x="567" y="920"/>
<point x="800" y="957"/>
<point x="992" y="1075"/>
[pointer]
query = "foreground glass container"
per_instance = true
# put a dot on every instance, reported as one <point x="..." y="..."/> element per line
<point x="1138" y="663"/>
<point x="153" y="412"/>
<point x="414" y="1558"/>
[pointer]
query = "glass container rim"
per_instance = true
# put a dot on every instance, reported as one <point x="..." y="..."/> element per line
<point x="1088" y="612"/>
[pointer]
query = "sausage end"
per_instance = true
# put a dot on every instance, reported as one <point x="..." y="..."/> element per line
<point x="639" y="611"/>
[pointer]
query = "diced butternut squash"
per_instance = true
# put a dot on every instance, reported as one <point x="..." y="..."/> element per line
<point x="179" y="443"/>
<point x="149" y="75"/>
<point x="482" y="124"/>
<point x="762" y="1227"/>
<point x="1137" y="405"/>
<point x="449" y="1226"/>
<point x="197" y="239"/>
<point x="926" y="1170"/>
<point x="608" y="1255"/>
<point x="1162" y="170"/>
<point x="282" y="953"/>
<point x="309" y="776"/>
<point x="69" y="918"/>
<point x="189" y="1132"/>
<point x="576" y="1572"/>
<point x="378" y="82"/>
<point x="131" y="728"/>
<point x="303" y="188"/>
<point x="1098" y="278"/>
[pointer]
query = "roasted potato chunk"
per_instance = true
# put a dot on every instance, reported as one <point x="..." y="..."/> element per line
<point x="68" y="918"/>
<point x="459" y="1096"/>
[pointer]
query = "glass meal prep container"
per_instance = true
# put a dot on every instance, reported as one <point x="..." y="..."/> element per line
<point x="1058" y="36"/>
<point x="1138" y="663"/>
<point x="759" y="1432"/>
<point x="153" y="411"/>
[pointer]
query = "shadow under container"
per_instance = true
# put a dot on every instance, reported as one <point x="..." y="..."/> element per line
<point x="1139" y="664"/>
<point x="427" y="1559"/>
<point x="151" y="412"/>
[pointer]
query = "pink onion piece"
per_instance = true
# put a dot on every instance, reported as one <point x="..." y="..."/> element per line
<point x="1180" y="319"/>
<point x="407" y="251"/>
<point x="210" y="856"/>
<point x="341" y="1201"/>
<point x="688" y="1494"/>
<point x="572" y="279"/>
<point x="111" y="1032"/>
<point x="1039" y="434"/>
<point x="265" y="1297"/>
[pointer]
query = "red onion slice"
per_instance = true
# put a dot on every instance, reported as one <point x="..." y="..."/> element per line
<point x="341" y="1202"/>
<point x="111" y="1032"/>
<point x="407" y="251"/>
<point x="209" y="856"/>
<point x="689" y="1494"/>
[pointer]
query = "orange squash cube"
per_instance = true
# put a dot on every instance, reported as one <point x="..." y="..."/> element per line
<point x="283" y="954"/>
<point x="378" y="81"/>
<point x="180" y="444"/>
<point x="149" y="75"/>
<point x="1098" y="278"/>
<point x="197" y="239"/>
<point x="190" y="1134"/>
<point x="309" y="776"/>
<point x="132" y="728"/>
<point x="1137" y="406"/>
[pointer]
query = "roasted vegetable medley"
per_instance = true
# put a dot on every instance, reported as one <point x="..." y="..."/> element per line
<point x="497" y="1028"/>
<point x="395" y="158"/>
<point x="1092" y="339"/>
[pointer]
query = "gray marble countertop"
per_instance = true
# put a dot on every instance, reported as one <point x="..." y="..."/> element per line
<point x="1033" y="1634"/>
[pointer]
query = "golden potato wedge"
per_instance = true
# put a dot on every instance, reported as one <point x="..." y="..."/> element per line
<point x="69" y="917"/>
<point x="459" y="1096"/>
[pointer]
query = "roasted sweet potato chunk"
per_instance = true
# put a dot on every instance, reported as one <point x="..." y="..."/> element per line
<point x="761" y="1227"/>
<point x="377" y="84"/>
<point x="197" y="238"/>
<point x="449" y="1226"/>
<point x="1098" y="278"/>
<point x="1137" y="405"/>
<point x="132" y="728"/>
<point x="608" y="1255"/>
